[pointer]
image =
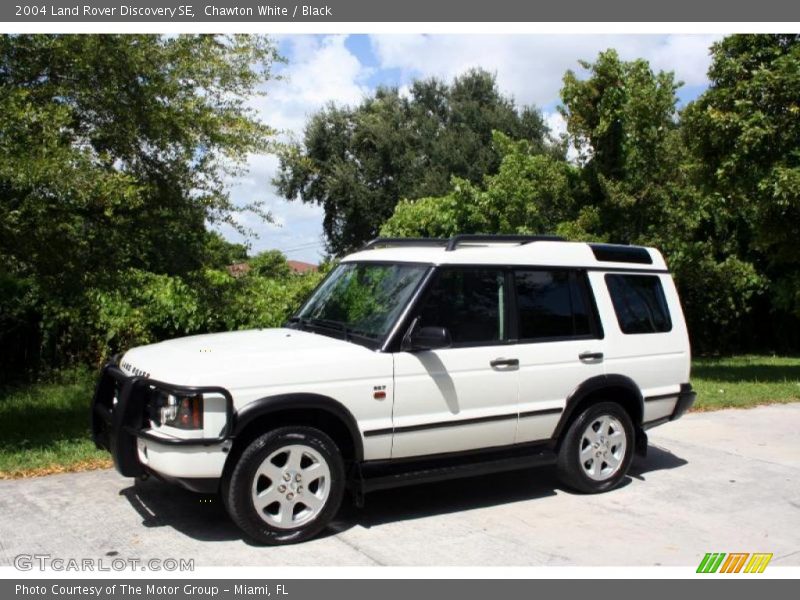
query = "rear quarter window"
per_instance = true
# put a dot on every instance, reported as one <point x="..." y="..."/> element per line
<point x="639" y="303"/>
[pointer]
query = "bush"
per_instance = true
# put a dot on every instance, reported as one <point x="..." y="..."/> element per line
<point x="142" y="307"/>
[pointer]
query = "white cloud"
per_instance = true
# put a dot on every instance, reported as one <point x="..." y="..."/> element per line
<point x="320" y="70"/>
<point x="556" y="123"/>
<point x="531" y="67"/>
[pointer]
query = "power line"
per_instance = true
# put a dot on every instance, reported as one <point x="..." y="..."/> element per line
<point x="303" y="247"/>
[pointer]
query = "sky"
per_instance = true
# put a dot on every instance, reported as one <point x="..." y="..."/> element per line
<point x="345" y="68"/>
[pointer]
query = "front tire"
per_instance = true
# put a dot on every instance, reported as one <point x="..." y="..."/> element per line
<point x="286" y="486"/>
<point x="597" y="449"/>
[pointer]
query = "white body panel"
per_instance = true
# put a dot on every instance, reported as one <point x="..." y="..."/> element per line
<point x="427" y="393"/>
<point x="658" y="363"/>
<point x="447" y="386"/>
<point x="258" y="363"/>
<point x="549" y="372"/>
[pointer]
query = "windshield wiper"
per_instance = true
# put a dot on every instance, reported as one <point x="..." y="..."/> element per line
<point x="296" y="322"/>
<point x="332" y="325"/>
<point x="324" y="324"/>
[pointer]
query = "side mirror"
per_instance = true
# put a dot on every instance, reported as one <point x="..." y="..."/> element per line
<point x="427" y="338"/>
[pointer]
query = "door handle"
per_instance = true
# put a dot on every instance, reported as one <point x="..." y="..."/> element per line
<point x="590" y="356"/>
<point x="504" y="362"/>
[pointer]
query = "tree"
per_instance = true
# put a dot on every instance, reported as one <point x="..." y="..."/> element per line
<point x="530" y="193"/>
<point x="220" y="253"/>
<point x="745" y="134"/>
<point x="358" y="162"/>
<point x="623" y="121"/>
<point x="114" y="151"/>
<point x="270" y="264"/>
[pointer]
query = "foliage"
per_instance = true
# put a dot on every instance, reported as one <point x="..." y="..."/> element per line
<point x="358" y="162"/>
<point x="220" y="253"/>
<point x="151" y="307"/>
<point x="631" y="184"/>
<point x="745" y="133"/>
<point x="114" y="151"/>
<point x="271" y="263"/>
<point x="530" y="193"/>
<point x="622" y="120"/>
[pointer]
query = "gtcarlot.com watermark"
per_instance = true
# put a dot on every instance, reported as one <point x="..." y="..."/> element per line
<point x="48" y="562"/>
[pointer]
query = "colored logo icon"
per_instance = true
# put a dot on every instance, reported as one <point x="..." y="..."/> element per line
<point x="735" y="562"/>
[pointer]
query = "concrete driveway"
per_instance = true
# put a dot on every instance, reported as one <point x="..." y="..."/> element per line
<point x="726" y="481"/>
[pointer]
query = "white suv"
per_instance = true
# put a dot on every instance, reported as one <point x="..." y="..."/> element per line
<point x="415" y="360"/>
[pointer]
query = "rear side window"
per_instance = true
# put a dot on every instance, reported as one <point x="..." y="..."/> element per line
<point x="470" y="303"/>
<point x="551" y="304"/>
<point x="640" y="303"/>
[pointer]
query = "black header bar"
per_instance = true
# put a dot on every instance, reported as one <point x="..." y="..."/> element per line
<point x="333" y="11"/>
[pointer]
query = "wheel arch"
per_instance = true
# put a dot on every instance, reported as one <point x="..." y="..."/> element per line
<point x="306" y="409"/>
<point x="614" y="388"/>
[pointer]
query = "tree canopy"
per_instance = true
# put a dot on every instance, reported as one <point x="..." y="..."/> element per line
<point x="745" y="133"/>
<point x="113" y="155"/>
<point x="634" y="181"/>
<point x="358" y="162"/>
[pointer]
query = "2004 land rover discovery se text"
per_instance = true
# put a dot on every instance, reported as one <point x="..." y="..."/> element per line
<point x="414" y="360"/>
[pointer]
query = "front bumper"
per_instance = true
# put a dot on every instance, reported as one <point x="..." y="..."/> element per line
<point x="120" y="418"/>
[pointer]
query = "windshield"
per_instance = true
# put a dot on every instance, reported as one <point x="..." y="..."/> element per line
<point x="362" y="298"/>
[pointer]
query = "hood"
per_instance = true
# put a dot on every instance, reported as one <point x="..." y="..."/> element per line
<point x="238" y="359"/>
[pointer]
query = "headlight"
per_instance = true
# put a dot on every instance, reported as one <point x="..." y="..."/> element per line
<point x="183" y="412"/>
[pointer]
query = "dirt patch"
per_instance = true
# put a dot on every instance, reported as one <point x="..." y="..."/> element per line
<point x="84" y="465"/>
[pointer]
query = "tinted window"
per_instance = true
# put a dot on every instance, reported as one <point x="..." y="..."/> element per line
<point x="551" y="304"/>
<point x="639" y="303"/>
<point x="470" y="303"/>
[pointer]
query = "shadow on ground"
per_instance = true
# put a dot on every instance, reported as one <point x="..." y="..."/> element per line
<point x="203" y="517"/>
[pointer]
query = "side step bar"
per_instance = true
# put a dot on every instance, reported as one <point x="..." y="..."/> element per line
<point x="382" y="475"/>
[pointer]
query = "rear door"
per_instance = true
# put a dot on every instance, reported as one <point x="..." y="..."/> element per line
<point x="560" y="344"/>
<point x="465" y="396"/>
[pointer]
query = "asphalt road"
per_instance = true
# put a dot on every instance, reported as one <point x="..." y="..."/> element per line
<point x="726" y="481"/>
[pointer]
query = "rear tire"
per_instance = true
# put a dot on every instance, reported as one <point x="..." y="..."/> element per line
<point x="286" y="486"/>
<point x="597" y="449"/>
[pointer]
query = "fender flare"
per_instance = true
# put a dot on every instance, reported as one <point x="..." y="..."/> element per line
<point x="272" y="404"/>
<point x="591" y="385"/>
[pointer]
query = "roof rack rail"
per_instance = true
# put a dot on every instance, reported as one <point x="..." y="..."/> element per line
<point x="477" y="238"/>
<point x="455" y="241"/>
<point x="388" y="242"/>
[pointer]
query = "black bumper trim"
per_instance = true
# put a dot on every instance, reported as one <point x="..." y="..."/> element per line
<point x="201" y="485"/>
<point x="147" y="434"/>
<point x="685" y="400"/>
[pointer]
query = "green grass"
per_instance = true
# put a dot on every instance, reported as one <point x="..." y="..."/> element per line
<point x="745" y="381"/>
<point x="44" y="427"/>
